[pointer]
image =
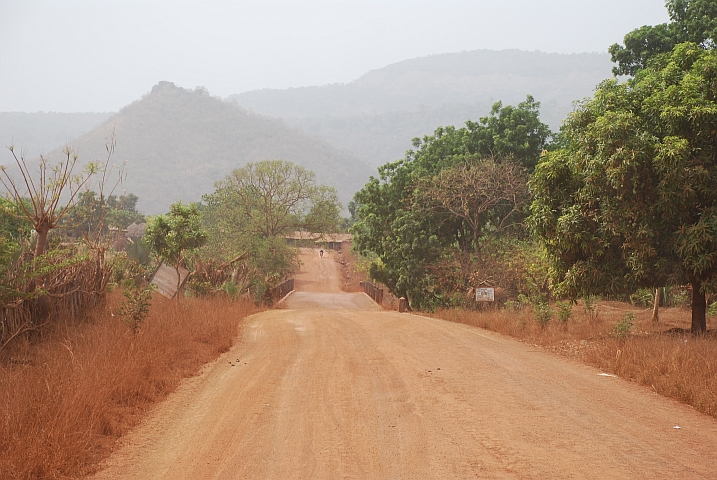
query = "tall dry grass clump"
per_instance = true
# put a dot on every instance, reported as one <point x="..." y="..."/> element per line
<point x="663" y="356"/>
<point x="65" y="398"/>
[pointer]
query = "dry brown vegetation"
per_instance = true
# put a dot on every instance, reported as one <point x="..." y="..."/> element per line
<point x="663" y="356"/>
<point x="353" y="268"/>
<point x="66" y="397"/>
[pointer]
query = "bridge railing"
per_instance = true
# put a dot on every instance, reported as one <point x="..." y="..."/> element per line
<point x="373" y="291"/>
<point x="283" y="289"/>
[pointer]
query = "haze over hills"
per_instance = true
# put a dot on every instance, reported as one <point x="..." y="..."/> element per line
<point x="376" y="116"/>
<point x="178" y="142"/>
<point x="39" y="132"/>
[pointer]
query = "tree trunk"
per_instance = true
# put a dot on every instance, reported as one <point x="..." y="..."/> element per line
<point x="656" y="305"/>
<point x="699" y="308"/>
<point x="179" y="283"/>
<point x="42" y="232"/>
<point x="39" y="283"/>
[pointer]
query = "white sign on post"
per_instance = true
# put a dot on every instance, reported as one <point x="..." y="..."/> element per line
<point x="485" y="294"/>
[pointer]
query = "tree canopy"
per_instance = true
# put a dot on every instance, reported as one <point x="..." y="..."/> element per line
<point x="408" y="225"/>
<point x="172" y="235"/>
<point x="255" y="207"/>
<point x="274" y="197"/>
<point x="632" y="201"/>
<point x="94" y="212"/>
<point x="691" y="21"/>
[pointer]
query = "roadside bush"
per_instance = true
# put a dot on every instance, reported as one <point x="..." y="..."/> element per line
<point x="231" y="288"/>
<point x="590" y="303"/>
<point x="678" y="297"/>
<point x="565" y="311"/>
<point x="518" y="304"/>
<point x="543" y="313"/>
<point x="123" y="268"/>
<point x="135" y="307"/>
<point x="622" y="329"/>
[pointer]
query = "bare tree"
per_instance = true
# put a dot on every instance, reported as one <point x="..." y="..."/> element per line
<point x="44" y="194"/>
<point x="95" y="237"/>
<point x="481" y="192"/>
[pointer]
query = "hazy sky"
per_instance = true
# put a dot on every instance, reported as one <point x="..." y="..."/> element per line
<point x="99" y="55"/>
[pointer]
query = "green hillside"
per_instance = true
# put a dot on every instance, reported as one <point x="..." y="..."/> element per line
<point x="178" y="142"/>
<point x="376" y="116"/>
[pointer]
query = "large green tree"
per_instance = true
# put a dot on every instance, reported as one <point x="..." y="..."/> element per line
<point x="173" y="235"/>
<point x="255" y="207"/>
<point x="633" y="200"/>
<point x="691" y="21"/>
<point x="273" y="198"/>
<point x="409" y="225"/>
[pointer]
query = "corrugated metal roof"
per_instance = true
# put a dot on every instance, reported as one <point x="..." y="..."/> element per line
<point x="165" y="278"/>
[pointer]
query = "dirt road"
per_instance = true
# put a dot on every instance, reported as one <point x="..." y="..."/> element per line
<point x="330" y="387"/>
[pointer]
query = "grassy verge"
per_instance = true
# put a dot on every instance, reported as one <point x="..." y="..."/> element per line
<point x="662" y="356"/>
<point x="353" y="268"/>
<point x="66" y="398"/>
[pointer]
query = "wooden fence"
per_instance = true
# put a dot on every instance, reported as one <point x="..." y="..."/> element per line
<point x="373" y="291"/>
<point x="70" y="289"/>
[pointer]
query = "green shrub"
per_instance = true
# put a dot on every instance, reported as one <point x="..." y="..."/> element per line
<point x="622" y="329"/>
<point x="590" y="303"/>
<point x="678" y="297"/>
<point x="123" y="268"/>
<point x="135" y="308"/>
<point x="518" y="304"/>
<point x="231" y="288"/>
<point x="543" y="313"/>
<point x="512" y="305"/>
<point x="565" y="311"/>
<point x="643" y="297"/>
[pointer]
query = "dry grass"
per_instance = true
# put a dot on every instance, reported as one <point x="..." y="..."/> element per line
<point x="353" y="268"/>
<point x="66" y="398"/>
<point x="662" y="356"/>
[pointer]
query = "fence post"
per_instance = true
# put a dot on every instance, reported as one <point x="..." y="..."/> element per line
<point x="402" y="304"/>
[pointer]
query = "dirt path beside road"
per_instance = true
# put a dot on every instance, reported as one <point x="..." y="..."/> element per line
<point x="332" y="387"/>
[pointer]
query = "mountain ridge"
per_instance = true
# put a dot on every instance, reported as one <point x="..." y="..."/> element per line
<point x="177" y="142"/>
<point x="474" y="76"/>
<point x="376" y="116"/>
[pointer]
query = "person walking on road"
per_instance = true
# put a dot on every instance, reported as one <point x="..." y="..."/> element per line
<point x="321" y="253"/>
